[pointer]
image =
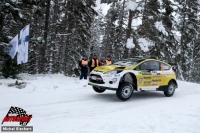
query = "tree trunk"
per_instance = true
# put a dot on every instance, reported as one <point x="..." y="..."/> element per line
<point x="128" y="34"/>
<point x="63" y="44"/>
<point x="46" y="31"/>
<point x="53" y="38"/>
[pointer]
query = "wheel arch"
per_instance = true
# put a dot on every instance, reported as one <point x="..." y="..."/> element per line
<point x="133" y="76"/>
<point x="174" y="81"/>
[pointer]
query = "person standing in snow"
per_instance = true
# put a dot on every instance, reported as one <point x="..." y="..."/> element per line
<point x="84" y="67"/>
<point x="108" y="60"/>
<point x="94" y="62"/>
<point x="102" y="62"/>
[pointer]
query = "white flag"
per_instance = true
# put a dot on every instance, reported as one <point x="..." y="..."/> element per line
<point x="13" y="47"/>
<point x="22" y="56"/>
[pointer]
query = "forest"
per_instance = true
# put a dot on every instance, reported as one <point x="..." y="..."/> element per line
<point x="61" y="31"/>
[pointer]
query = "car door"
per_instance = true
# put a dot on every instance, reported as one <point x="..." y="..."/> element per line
<point x="144" y="76"/>
<point x="148" y="77"/>
<point x="156" y="71"/>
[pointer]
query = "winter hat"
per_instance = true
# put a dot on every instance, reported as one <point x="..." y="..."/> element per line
<point x="84" y="56"/>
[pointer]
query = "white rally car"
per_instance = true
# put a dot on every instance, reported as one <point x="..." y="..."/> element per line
<point x="134" y="74"/>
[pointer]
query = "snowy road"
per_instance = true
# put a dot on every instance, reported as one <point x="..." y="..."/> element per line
<point x="59" y="105"/>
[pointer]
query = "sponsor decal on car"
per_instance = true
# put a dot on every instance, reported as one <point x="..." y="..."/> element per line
<point x="147" y="83"/>
<point x="146" y="73"/>
<point x="147" y="77"/>
<point x="154" y="84"/>
<point x="140" y="80"/>
<point x="114" y="80"/>
<point x="154" y="72"/>
<point x="156" y="80"/>
<point x="117" y="75"/>
<point x="157" y="77"/>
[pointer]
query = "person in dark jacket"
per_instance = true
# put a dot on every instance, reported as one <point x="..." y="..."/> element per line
<point x="84" y="67"/>
<point x="102" y="62"/>
<point x="94" y="62"/>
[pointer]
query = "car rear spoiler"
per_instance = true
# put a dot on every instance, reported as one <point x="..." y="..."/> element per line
<point x="174" y="66"/>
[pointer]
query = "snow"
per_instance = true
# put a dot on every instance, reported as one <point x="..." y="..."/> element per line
<point x="136" y="22"/>
<point x="131" y="5"/>
<point x="102" y="6"/>
<point x="160" y="27"/>
<point x="145" y="44"/>
<point x="39" y="38"/>
<point x="60" y="104"/>
<point x="129" y="43"/>
<point x="21" y="15"/>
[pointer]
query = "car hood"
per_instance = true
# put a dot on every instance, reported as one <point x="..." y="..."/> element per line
<point x="108" y="68"/>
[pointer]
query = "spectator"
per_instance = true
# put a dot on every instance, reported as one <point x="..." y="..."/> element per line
<point x="94" y="62"/>
<point x="102" y="62"/>
<point x="84" y="67"/>
<point x="108" y="60"/>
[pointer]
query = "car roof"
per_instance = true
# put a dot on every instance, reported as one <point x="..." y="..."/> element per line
<point x="138" y="59"/>
<point x="157" y="60"/>
<point x="132" y="59"/>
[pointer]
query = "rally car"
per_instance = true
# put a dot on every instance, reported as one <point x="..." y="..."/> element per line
<point x="134" y="74"/>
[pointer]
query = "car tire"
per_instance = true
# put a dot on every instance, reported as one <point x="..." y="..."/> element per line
<point x="125" y="91"/>
<point x="170" y="89"/>
<point x="98" y="89"/>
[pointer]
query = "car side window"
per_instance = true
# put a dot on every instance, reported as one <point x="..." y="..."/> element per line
<point x="165" y="67"/>
<point x="154" y="65"/>
<point x="149" y="65"/>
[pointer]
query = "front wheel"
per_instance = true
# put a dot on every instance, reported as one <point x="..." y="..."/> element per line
<point x="125" y="91"/>
<point x="170" y="90"/>
<point x="98" y="89"/>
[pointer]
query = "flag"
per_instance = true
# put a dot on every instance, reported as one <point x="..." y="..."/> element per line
<point x="22" y="56"/>
<point x="13" y="47"/>
<point x="16" y="110"/>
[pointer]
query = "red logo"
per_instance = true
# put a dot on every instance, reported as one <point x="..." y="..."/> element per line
<point x="16" y="114"/>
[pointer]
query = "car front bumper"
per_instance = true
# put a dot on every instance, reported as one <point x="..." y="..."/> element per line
<point x="99" y="79"/>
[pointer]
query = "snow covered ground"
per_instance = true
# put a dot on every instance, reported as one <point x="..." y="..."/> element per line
<point x="60" y="105"/>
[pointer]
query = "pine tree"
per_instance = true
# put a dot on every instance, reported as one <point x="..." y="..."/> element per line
<point x="97" y="31"/>
<point x="148" y="30"/>
<point x="80" y="17"/>
<point x="189" y="29"/>
<point x="115" y="35"/>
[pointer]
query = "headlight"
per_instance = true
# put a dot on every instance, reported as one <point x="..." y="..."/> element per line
<point x="110" y="73"/>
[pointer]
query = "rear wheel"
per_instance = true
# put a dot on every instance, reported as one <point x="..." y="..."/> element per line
<point x="98" y="89"/>
<point x="170" y="90"/>
<point x="125" y="91"/>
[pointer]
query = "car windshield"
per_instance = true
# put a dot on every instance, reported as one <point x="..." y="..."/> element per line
<point x="126" y="63"/>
